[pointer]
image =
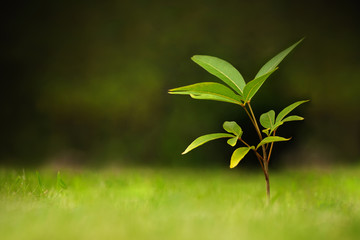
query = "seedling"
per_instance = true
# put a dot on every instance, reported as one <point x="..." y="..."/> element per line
<point x="241" y="93"/>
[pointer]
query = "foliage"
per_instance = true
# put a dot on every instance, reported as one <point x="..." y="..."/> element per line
<point x="241" y="93"/>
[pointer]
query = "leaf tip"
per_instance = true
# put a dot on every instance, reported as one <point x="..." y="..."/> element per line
<point x="171" y="90"/>
<point x="232" y="165"/>
<point x="302" y="39"/>
<point x="298" y="42"/>
<point x="184" y="152"/>
<point x="195" y="57"/>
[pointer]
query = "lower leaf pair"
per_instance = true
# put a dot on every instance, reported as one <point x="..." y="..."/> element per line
<point x="234" y="134"/>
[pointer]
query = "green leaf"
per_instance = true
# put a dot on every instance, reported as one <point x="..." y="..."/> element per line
<point x="288" y="109"/>
<point x="267" y="120"/>
<point x="253" y="86"/>
<point x="223" y="70"/>
<point x="206" y="138"/>
<point x="276" y="126"/>
<point x="275" y="61"/>
<point x="232" y="141"/>
<point x="272" y="139"/>
<point x="266" y="131"/>
<point x="233" y="127"/>
<point x="238" y="155"/>
<point x="212" y="97"/>
<point x="293" y="118"/>
<point x="209" y="91"/>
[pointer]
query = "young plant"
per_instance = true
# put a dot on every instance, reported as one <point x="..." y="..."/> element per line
<point x="241" y="93"/>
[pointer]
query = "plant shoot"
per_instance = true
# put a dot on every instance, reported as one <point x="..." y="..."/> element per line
<point x="239" y="92"/>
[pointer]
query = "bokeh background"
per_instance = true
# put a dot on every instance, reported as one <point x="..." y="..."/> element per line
<point x="85" y="82"/>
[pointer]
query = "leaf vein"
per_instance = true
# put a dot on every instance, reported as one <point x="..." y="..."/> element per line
<point x="216" y="94"/>
<point x="224" y="75"/>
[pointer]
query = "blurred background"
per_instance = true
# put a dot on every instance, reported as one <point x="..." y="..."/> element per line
<point x="84" y="83"/>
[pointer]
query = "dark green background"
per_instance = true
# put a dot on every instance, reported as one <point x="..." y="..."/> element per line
<point x="85" y="82"/>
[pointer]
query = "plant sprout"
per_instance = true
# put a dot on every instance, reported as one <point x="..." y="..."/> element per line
<point x="241" y="93"/>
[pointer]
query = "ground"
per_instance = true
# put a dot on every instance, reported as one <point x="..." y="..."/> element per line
<point x="138" y="203"/>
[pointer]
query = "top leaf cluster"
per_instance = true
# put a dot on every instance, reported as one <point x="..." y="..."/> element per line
<point x="239" y="92"/>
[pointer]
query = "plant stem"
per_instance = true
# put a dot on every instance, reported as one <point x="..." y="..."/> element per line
<point x="247" y="112"/>
<point x="266" y="173"/>
<point x="271" y="147"/>
<point x="255" y="122"/>
<point x="259" y="157"/>
<point x="267" y="187"/>
<point x="260" y="161"/>
<point x="260" y="136"/>
<point x="264" y="157"/>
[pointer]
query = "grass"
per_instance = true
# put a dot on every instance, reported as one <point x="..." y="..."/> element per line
<point x="179" y="204"/>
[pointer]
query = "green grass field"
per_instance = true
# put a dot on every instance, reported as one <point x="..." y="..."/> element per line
<point x="179" y="204"/>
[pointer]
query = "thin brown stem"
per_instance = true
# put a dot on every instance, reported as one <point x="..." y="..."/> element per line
<point x="271" y="148"/>
<point x="255" y="122"/>
<point x="244" y="142"/>
<point x="259" y="157"/>
<point x="247" y="112"/>
<point x="267" y="188"/>
<point x="260" y="137"/>
<point x="263" y="160"/>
